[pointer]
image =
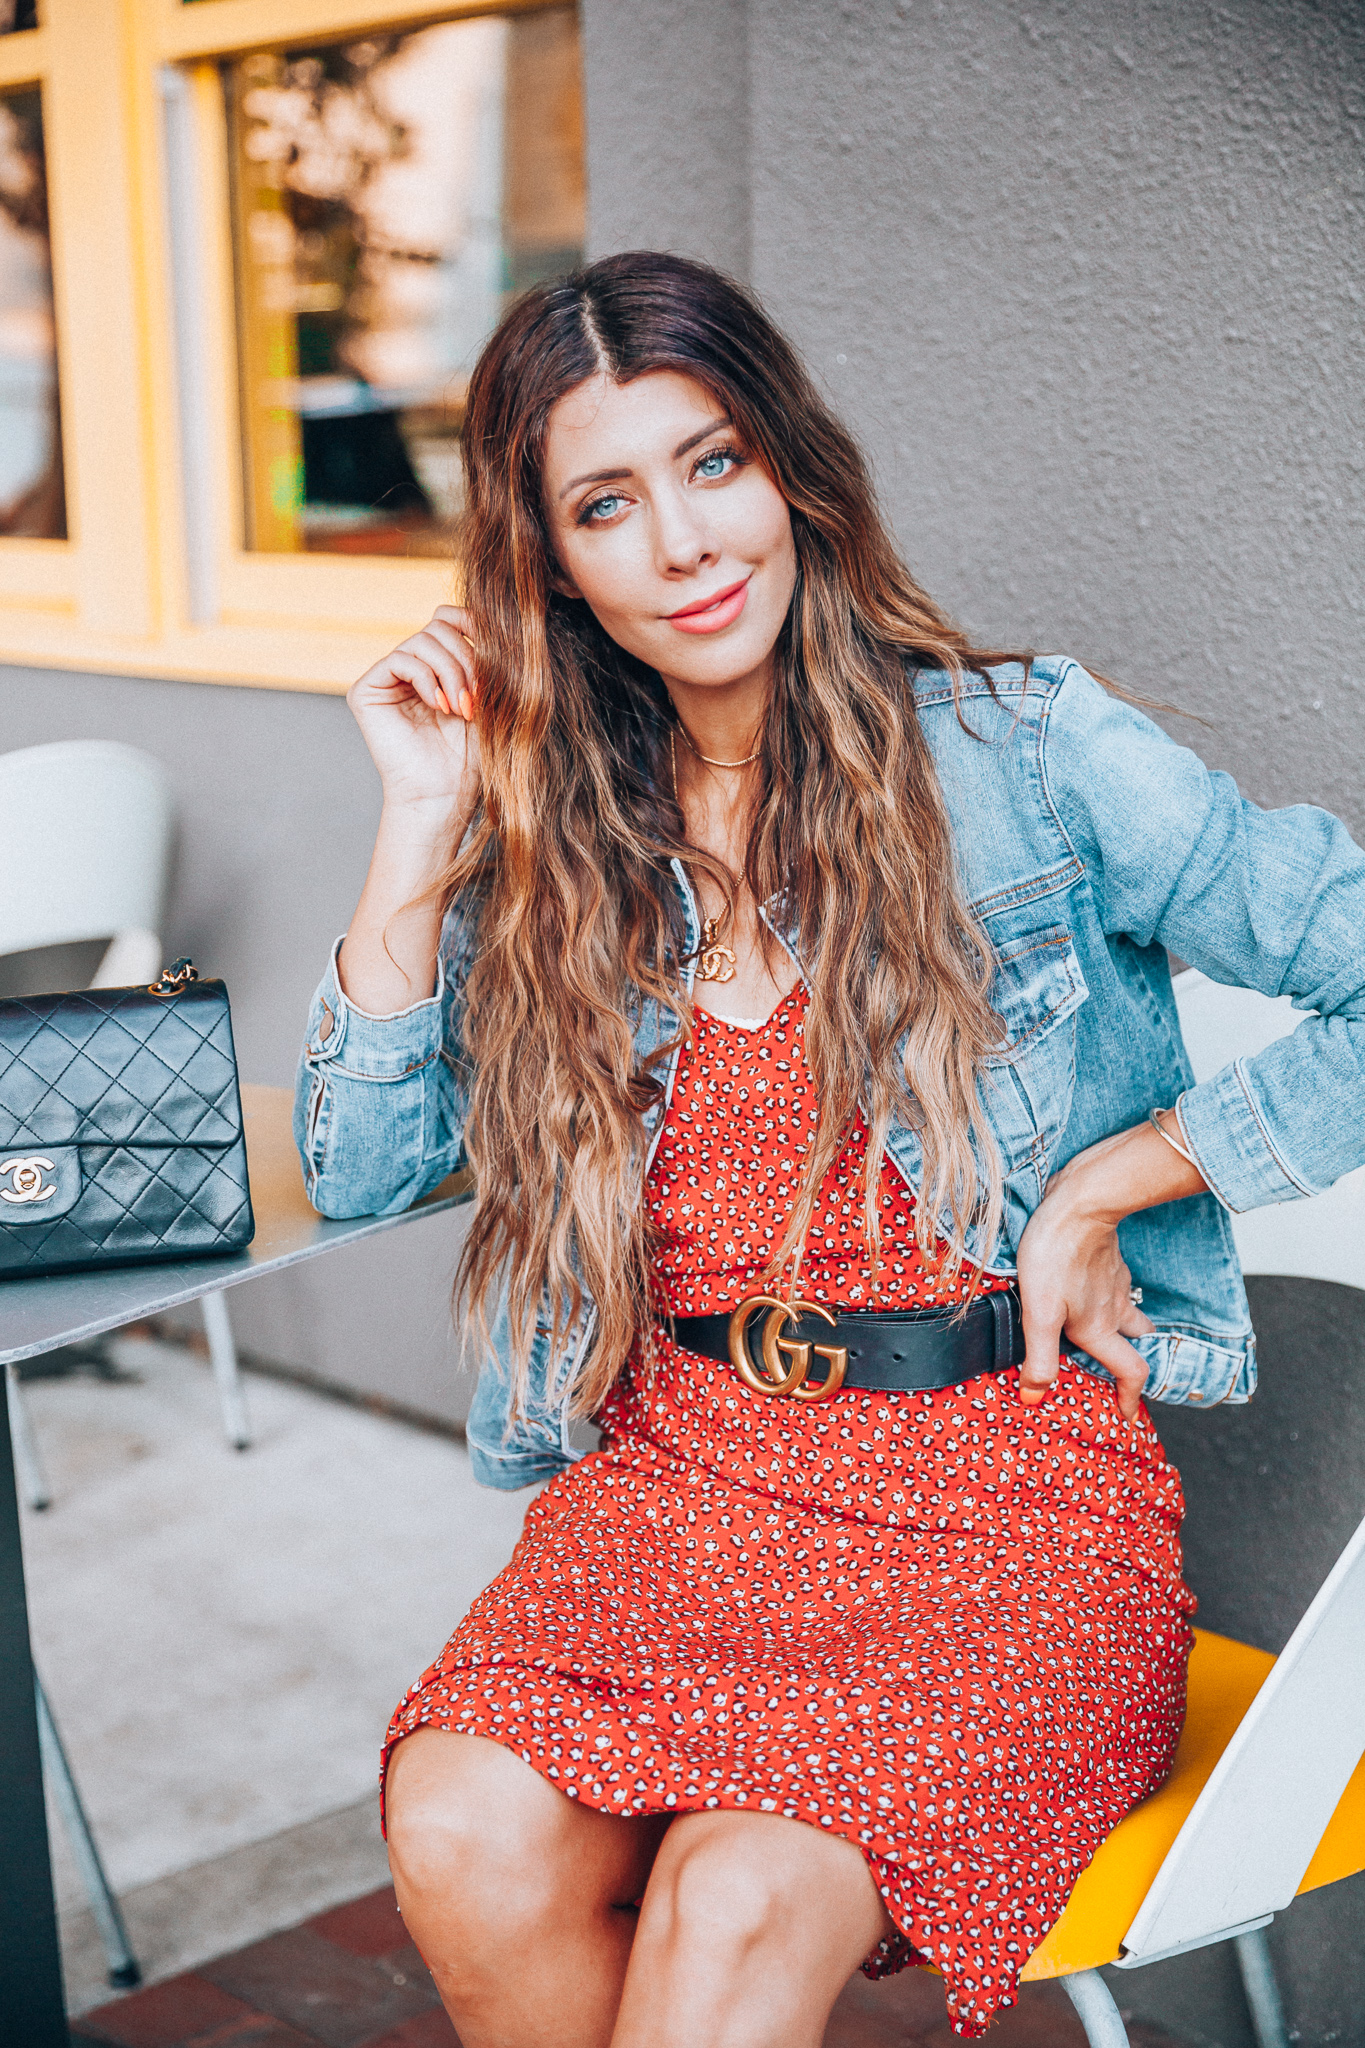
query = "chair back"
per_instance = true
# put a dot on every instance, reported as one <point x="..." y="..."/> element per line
<point x="87" y="830"/>
<point x="1250" y="1836"/>
<point x="1319" y="1239"/>
<point x="1253" y="1830"/>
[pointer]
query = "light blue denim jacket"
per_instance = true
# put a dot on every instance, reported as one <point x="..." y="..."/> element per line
<point x="1087" y="843"/>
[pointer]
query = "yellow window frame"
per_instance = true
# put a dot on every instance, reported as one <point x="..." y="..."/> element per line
<point x="137" y="587"/>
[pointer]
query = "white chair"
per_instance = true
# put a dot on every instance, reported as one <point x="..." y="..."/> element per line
<point x="87" y="845"/>
<point x="87" y="832"/>
<point x="1267" y="1795"/>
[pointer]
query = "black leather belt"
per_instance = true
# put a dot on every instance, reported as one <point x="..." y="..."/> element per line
<point x="913" y="1350"/>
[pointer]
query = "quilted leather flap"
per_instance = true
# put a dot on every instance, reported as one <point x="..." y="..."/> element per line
<point x="119" y="1066"/>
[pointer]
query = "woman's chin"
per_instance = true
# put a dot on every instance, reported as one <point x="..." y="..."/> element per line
<point x="716" y="662"/>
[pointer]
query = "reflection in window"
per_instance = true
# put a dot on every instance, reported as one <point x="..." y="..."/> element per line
<point x="390" y="196"/>
<point x="32" y="500"/>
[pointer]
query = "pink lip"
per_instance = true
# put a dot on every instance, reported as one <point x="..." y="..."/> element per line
<point x="710" y="614"/>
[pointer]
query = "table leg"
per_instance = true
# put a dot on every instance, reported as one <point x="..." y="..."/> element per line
<point x="32" y="2009"/>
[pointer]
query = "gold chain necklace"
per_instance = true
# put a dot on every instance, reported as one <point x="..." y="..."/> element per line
<point x="707" y="758"/>
<point x="714" y="961"/>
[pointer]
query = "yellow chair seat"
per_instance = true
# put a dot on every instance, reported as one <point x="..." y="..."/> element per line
<point x="1225" y="1677"/>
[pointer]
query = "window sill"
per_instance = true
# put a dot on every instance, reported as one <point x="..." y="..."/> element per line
<point x="321" y="659"/>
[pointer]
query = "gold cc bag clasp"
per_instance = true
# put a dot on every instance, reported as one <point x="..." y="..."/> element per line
<point x="776" y="1376"/>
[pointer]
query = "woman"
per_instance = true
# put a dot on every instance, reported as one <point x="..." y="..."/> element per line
<point x="793" y="974"/>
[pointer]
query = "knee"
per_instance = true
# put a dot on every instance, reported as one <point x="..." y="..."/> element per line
<point x="441" y="1841"/>
<point x="725" y="1892"/>
<point x="469" y="1851"/>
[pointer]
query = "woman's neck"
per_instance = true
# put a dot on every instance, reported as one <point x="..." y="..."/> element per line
<point x="716" y="800"/>
<point x="723" y="721"/>
<point x="719" y="731"/>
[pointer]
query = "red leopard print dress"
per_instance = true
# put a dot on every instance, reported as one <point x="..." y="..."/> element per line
<point x="946" y="1626"/>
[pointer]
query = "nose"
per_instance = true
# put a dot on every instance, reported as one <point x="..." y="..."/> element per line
<point x="683" y="540"/>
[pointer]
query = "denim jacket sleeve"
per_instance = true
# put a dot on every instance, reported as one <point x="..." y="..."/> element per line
<point x="1270" y="900"/>
<point x="381" y="1102"/>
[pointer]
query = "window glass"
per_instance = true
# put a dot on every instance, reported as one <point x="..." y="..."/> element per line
<point x="390" y="196"/>
<point x="17" y="14"/>
<point x="32" y="500"/>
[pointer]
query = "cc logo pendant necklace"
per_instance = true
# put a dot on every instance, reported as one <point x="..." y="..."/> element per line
<point x="715" y="962"/>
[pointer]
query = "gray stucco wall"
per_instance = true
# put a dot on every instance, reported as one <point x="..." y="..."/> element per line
<point x="1087" y="278"/>
<point x="1086" y="275"/>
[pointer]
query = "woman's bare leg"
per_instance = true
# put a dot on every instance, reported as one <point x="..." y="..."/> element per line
<point x="520" y="1900"/>
<point x="751" y="1925"/>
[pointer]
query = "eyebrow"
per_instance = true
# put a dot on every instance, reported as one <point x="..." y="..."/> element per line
<point x="613" y="476"/>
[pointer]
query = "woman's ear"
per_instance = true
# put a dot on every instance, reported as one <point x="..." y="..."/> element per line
<point x="564" y="586"/>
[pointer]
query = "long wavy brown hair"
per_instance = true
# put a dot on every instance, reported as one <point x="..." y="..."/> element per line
<point x="568" y="859"/>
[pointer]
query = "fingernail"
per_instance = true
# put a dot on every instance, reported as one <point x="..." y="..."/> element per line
<point x="445" y="701"/>
<point x="466" y="705"/>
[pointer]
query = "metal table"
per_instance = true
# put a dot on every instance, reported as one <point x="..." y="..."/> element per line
<point x="41" y="1315"/>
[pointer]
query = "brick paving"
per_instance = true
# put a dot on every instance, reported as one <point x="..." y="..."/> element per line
<point x="350" y="1978"/>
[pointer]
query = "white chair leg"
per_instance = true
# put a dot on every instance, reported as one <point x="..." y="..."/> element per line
<point x="27" y="1463"/>
<point x="1096" y="2009"/>
<point x="123" y="1964"/>
<point x="1262" y="1992"/>
<point x="223" y="1354"/>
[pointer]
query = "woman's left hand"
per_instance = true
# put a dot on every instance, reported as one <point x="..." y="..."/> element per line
<point x="1072" y="1277"/>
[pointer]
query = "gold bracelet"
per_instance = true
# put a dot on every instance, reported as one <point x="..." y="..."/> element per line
<point x="1154" y="1118"/>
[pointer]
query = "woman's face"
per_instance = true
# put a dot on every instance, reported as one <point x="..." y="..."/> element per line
<point x="668" y="528"/>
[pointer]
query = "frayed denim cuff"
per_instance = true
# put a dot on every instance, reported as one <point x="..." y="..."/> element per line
<point x="1225" y="1129"/>
<point x="354" y="1041"/>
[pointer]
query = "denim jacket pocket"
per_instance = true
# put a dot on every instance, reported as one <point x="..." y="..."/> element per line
<point x="1027" y="1084"/>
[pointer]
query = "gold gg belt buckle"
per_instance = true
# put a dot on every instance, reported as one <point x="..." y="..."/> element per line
<point x="777" y="1377"/>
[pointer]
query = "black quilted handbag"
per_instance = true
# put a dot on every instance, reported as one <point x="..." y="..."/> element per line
<point x="120" y="1128"/>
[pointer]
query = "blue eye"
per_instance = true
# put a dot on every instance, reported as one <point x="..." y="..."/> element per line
<point x="714" y="465"/>
<point x="601" y="508"/>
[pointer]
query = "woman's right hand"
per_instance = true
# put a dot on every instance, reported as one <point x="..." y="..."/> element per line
<point x="415" y="710"/>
